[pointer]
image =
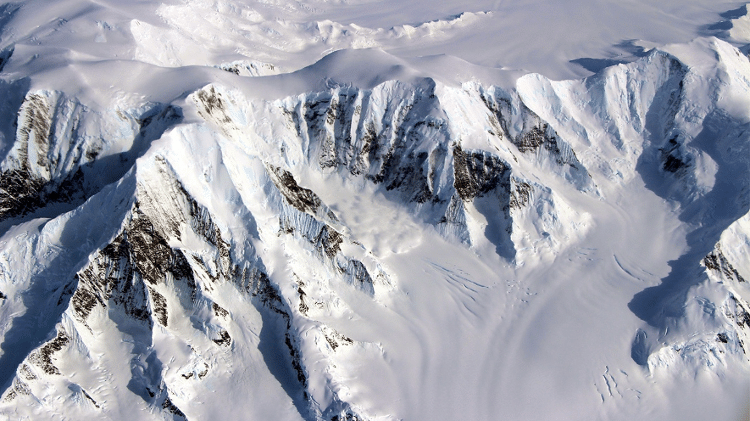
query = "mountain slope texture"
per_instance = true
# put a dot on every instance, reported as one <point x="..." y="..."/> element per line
<point x="358" y="210"/>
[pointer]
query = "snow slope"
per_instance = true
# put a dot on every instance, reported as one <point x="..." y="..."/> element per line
<point x="206" y="211"/>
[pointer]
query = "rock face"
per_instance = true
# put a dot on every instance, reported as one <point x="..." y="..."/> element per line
<point x="401" y="138"/>
<point x="58" y="153"/>
<point x="286" y="249"/>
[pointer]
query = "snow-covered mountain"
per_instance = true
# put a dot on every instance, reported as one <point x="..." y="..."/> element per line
<point x="291" y="210"/>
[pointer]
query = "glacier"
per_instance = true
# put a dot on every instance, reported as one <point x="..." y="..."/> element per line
<point x="196" y="222"/>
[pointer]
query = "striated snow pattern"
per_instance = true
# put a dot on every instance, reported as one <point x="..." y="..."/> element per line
<point x="379" y="250"/>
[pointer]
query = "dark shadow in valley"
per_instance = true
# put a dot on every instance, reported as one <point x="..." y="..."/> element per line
<point x="720" y="27"/>
<point x="499" y="222"/>
<point x="630" y="52"/>
<point x="277" y="356"/>
<point x="735" y="13"/>
<point x="596" y="65"/>
<point x="13" y="95"/>
<point x="711" y="213"/>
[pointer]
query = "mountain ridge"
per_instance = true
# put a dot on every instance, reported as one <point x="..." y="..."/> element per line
<point x="368" y="238"/>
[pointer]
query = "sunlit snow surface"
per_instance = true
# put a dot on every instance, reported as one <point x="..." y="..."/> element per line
<point x="488" y="210"/>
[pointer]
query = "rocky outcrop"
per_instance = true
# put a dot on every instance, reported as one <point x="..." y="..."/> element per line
<point x="476" y="173"/>
<point x="56" y="159"/>
<point x="404" y="138"/>
<point x="716" y="261"/>
<point x="43" y="356"/>
<point x="347" y="130"/>
<point x="145" y="274"/>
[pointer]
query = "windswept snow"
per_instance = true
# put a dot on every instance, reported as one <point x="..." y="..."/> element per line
<point x="340" y="210"/>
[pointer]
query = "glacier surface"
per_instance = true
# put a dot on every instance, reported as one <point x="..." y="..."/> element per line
<point x="350" y="210"/>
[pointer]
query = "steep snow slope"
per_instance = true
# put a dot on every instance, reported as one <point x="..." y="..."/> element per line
<point x="371" y="236"/>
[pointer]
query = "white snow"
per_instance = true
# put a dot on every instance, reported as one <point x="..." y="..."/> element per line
<point x="601" y="275"/>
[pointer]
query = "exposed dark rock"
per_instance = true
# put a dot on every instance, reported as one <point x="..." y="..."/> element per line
<point x="722" y="337"/>
<point x="402" y="167"/>
<point x="117" y="273"/>
<point x="25" y="372"/>
<point x="407" y="174"/>
<point x="520" y="195"/>
<point x="19" y="193"/>
<point x="535" y="134"/>
<point x="532" y="140"/>
<point x="737" y="313"/>
<point x="35" y="126"/>
<point x="151" y="254"/>
<point x="677" y="73"/>
<point x="67" y="292"/>
<point x="212" y="102"/>
<point x="336" y="150"/>
<point x="24" y="190"/>
<point x="358" y="274"/>
<point x="259" y="285"/>
<point x="477" y="173"/>
<point x="672" y="163"/>
<point x="336" y="339"/>
<point x="224" y="339"/>
<point x="718" y="262"/>
<point x="483" y="180"/>
<point x="303" y="308"/>
<point x="296" y="360"/>
<point x="3" y="296"/>
<point x="84" y="300"/>
<point x="329" y="240"/>
<point x="324" y="239"/>
<point x="170" y="226"/>
<point x="18" y="388"/>
<point x="203" y="225"/>
<point x="180" y="269"/>
<point x="172" y="408"/>
<point x="540" y="135"/>
<point x="71" y="188"/>
<point x="219" y="311"/>
<point x="500" y="109"/>
<point x="640" y="349"/>
<point x="204" y="372"/>
<point x="10" y="395"/>
<point x="155" y="121"/>
<point x="384" y="148"/>
<point x="347" y="417"/>
<point x="304" y="200"/>
<point x="89" y="398"/>
<point x="159" y="306"/>
<point x="200" y="375"/>
<point x="369" y="139"/>
<point x="43" y="356"/>
<point x="110" y="277"/>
